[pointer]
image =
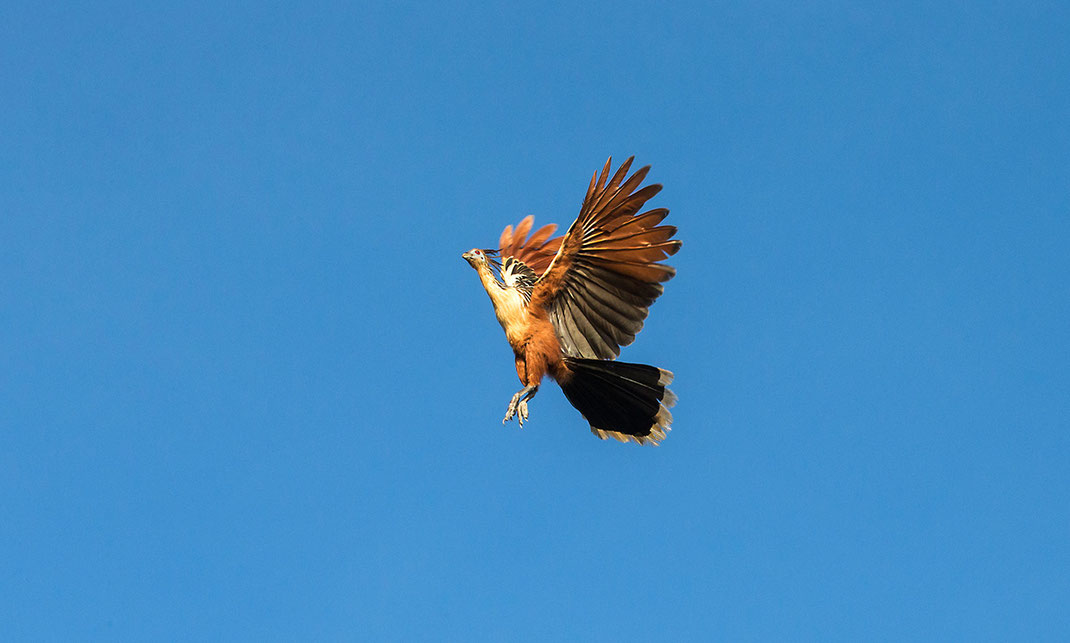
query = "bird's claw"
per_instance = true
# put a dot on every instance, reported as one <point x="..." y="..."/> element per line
<point x="517" y="408"/>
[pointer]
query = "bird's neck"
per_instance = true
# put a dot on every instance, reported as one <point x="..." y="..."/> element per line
<point x="508" y="303"/>
<point x="490" y="284"/>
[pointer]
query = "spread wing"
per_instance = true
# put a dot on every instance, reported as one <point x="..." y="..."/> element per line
<point x="536" y="251"/>
<point x="599" y="286"/>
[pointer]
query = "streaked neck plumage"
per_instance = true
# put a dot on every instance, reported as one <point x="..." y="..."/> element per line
<point x="509" y="305"/>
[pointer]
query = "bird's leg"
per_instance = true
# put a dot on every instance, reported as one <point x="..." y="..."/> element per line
<point x="518" y="406"/>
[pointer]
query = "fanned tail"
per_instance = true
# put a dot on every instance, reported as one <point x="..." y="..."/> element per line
<point x="626" y="402"/>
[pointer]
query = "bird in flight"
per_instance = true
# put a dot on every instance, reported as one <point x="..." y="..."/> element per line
<point x="569" y="303"/>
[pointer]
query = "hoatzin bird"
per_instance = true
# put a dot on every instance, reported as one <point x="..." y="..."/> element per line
<point x="568" y="304"/>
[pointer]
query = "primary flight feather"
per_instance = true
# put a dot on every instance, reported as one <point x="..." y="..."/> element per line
<point x="568" y="304"/>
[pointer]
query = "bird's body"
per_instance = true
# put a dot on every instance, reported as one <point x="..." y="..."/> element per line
<point x="567" y="305"/>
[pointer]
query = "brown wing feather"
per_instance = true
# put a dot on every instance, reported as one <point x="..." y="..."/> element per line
<point x="536" y="251"/>
<point x="599" y="286"/>
<point x="521" y="233"/>
<point x="506" y="240"/>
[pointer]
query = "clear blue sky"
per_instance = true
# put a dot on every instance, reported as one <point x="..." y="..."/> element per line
<point x="249" y="389"/>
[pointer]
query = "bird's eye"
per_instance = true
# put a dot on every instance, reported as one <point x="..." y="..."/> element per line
<point x="478" y="253"/>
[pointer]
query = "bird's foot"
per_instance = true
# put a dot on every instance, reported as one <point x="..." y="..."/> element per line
<point x="518" y="406"/>
<point x="510" y="412"/>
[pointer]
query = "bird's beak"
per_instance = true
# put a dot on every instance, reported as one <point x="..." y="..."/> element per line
<point x="467" y="257"/>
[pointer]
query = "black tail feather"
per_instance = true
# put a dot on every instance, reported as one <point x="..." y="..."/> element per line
<point x="621" y="400"/>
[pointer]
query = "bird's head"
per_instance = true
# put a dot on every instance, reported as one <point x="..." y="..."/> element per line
<point x="476" y="257"/>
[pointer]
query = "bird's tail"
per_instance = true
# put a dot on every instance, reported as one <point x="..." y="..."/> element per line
<point x="621" y="401"/>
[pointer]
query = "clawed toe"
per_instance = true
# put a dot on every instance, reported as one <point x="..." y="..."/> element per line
<point x="511" y="410"/>
<point x="518" y="406"/>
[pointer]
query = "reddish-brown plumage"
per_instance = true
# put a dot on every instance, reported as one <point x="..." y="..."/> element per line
<point x="568" y="304"/>
<point x="539" y="353"/>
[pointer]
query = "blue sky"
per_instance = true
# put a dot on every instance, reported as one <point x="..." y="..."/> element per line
<point x="249" y="390"/>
